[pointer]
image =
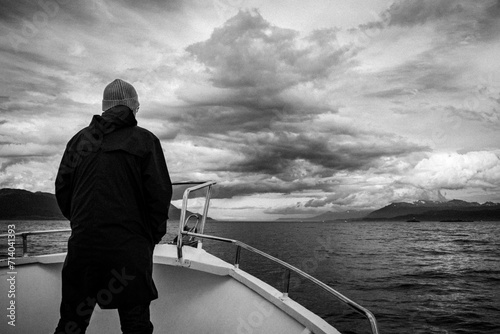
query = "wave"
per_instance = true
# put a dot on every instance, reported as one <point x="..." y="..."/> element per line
<point x="471" y="241"/>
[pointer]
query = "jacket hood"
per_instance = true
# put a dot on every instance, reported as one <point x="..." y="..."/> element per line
<point x="113" y="119"/>
<point x="118" y="116"/>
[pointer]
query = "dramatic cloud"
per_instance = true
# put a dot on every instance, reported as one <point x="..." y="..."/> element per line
<point x="249" y="52"/>
<point x="458" y="171"/>
<point x="262" y="72"/>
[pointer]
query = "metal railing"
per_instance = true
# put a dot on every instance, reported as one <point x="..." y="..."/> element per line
<point x="24" y="236"/>
<point x="183" y="221"/>
<point x="239" y="245"/>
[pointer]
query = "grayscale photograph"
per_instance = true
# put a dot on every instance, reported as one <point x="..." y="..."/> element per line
<point x="250" y="166"/>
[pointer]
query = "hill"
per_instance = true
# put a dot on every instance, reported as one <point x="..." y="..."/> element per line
<point x="437" y="211"/>
<point x="24" y="205"/>
<point x="19" y="204"/>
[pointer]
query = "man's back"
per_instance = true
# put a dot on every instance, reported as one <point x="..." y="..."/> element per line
<point x="114" y="188"/>
<point x="114" y="181"/>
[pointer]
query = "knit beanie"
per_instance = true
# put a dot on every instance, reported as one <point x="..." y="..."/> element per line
<point x="119" y="92"/>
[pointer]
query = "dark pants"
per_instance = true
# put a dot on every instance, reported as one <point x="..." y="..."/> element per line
<point x="75" y="318"/>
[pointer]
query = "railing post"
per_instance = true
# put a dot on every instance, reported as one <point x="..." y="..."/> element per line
<point x="237" y="259"/>
<point x="179" y="254"/>
<point x="286" y="283"/>
<point x="205" y="209"/>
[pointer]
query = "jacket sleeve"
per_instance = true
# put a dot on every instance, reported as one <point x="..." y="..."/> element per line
<point x="63" y="184"/>
<point x="157" y="190"/>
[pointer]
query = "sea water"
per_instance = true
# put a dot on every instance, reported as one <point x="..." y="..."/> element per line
<point x="427" y="277"/>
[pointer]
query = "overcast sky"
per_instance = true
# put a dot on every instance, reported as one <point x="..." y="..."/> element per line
<point x="293" y="107"/>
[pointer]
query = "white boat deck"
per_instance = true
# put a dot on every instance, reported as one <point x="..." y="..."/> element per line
<point x="202" y="295"/>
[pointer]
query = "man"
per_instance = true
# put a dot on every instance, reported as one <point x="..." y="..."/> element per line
<point x="114" y="188"/>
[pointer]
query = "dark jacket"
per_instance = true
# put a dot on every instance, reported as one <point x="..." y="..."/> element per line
<point x="114" y="188"/>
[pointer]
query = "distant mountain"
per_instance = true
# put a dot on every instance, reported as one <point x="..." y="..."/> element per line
<point x="331" y="215"/>
<point x="437" y="211"/>
<point x="24" y="205"/>
<point x="19" y="204"/>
